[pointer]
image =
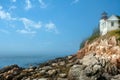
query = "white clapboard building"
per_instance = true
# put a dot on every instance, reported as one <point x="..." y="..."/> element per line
<point x="108" y="23"/>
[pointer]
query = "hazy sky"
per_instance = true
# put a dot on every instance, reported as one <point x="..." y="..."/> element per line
<point x="49" y="26"/>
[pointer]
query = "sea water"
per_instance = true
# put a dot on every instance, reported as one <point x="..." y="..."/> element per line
<point x="26" y="61"/>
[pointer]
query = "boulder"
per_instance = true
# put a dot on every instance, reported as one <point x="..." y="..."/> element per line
<point x="47" y="68"/>
<point x="30" y="70"/>
<point x="93" y="70"/>
<point x="15" y="71"/>
<point x="55" y="64"/>
<point x="76" y="73"/>
<point x="62" y="75"/>
<point x="97" y="68"/>
<point x="69" y="65"/>
<point x="106" y="76"/>
<point x="42" y="72"/>
<point x="117" y="77"/>
<point x="62" y="63"/>
<point x="111" y="69"/>
<point x="52" y="72"/>
<point x="9" y="77"/>
<point x="7" y="68"/>
<point x="89" y="59"/>
<point x="69" y="57"/>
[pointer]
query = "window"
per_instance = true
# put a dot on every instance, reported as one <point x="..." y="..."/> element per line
<point x="112" y="24"/>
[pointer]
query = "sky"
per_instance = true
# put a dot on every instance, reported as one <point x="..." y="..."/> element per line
<point x="49" y="26"/>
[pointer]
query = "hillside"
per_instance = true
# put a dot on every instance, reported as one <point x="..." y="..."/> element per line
<point x="106" y="49"/>
<point x="105" y="46"/>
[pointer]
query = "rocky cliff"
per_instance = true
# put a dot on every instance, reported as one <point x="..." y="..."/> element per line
<point x="103" y="48"/>
<point x="101" y="59"/>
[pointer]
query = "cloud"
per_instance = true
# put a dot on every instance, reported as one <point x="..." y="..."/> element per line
<point x="51" y="27"/>
<point x="75" y="1"/>
<point x="13" y="0"/>
<point x="31" y="27"/>
<point x="28" y="5"/>
<point x="1" y="7"/>
<point x="42" y="4"/>
<point x="30" y="24"/>
<point x="5" y="15"/>
<point x="23" y="31"/>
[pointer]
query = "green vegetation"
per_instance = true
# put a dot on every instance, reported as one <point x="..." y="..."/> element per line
<point x="95" y="35"/>
<point x="83" y="43"/>
<point x="115" y="33"/>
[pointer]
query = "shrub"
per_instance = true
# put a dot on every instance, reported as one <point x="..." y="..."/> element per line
<point x="115" y="33"/>
<point x="82" y="44"/>
<point x="95" y="34"/>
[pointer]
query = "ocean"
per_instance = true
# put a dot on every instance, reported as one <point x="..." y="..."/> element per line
<point x="26" y="61"/>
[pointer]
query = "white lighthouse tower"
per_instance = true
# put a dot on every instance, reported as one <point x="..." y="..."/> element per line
<point x="103" y="23"/>
<point x="109" y="23"/>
